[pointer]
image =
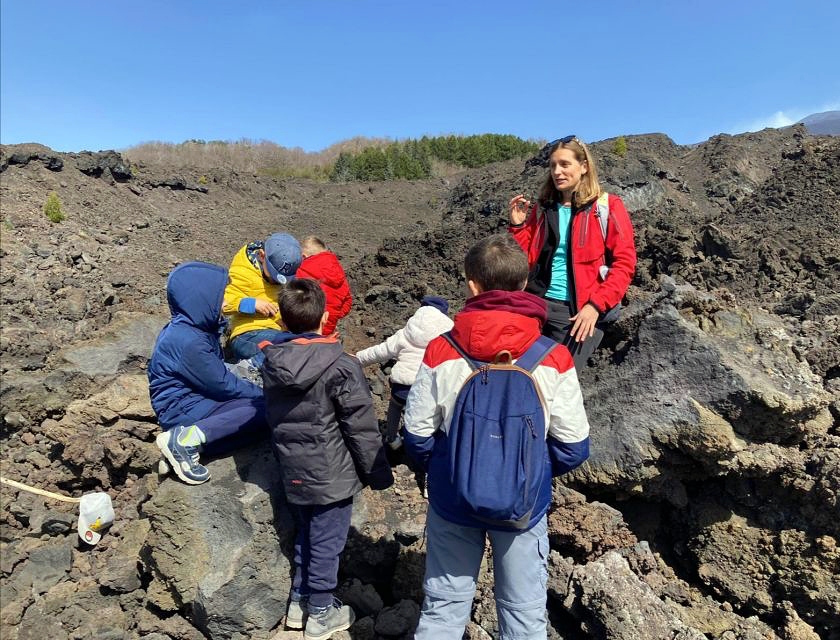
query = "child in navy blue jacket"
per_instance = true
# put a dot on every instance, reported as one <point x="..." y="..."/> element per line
<point x="326" y="439"/>
<point x="197" y="400"/>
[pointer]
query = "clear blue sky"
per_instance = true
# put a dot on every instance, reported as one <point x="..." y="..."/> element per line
<point x="92" y="74"/>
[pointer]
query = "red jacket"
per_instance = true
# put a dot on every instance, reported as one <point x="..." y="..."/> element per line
<point x="539" y="237"/>
<point x="326" y="269"/>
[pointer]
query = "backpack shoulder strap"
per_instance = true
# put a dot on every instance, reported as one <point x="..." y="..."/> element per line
<point x="473" y="363"/>
<point x="536" y="353"/>
<point x="603" y="212"/>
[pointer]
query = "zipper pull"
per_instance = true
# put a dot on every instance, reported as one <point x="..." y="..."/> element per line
<point x="530" y="424"/>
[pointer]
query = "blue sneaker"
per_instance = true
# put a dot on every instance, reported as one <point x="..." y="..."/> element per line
<point x="183" y="459"/>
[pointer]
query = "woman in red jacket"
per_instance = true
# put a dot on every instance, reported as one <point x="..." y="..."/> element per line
<point x="582" y="272"/>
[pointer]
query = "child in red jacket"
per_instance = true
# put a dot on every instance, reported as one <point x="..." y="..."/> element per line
<point x="323" y="265"/>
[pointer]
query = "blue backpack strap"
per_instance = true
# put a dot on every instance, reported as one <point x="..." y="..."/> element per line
<point x="474" y="364"/>
<point x="535" y="354"/>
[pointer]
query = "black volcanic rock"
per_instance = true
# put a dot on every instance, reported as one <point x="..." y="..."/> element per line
<point x="103" y="163"/>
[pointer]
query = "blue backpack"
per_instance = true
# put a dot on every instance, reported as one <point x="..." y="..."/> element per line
<point x="496" y="440"/>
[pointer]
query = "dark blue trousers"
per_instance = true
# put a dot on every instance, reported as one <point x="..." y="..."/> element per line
<point x="230" y="424"/>
<point x="321" y="536"/>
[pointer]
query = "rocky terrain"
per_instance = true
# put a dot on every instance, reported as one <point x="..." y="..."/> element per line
<point x="709" y="506"/>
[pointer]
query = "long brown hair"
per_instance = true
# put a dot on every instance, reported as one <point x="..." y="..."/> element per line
<point x="588" y="189"/>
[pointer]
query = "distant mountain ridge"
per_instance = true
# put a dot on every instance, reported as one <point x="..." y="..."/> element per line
<point x="826" y="123"/>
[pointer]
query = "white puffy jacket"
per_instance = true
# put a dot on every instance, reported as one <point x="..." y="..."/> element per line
<point x="408" y="344"/>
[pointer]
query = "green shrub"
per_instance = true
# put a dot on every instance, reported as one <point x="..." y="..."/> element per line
<point x="342" y="170"/>
<point x="202" y="180"/>
<point x="52" y="208"/>
<point x="620" y="147"/>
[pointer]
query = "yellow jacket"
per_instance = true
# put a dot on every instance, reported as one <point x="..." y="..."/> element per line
<point x="247" y="283"/>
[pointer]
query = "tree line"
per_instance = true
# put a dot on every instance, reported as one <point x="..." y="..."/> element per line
<point x="362" y="159"/>
<point x="414" y="159"/>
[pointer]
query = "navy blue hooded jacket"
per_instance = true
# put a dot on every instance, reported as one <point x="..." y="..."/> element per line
<point x="187" y="373"/>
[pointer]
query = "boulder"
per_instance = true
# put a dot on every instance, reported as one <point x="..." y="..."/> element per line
<point x="220" y="552"/>
<point x="128" y="339"/>
<point x="108" y="435"/>
<point x="108" y="164"/>
<point x="612" y="602"/>
<point x="699" y="381"/>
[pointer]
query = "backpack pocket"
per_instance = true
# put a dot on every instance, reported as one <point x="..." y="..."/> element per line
<point x="496" y="482"/>
<point x="495" y="450"/>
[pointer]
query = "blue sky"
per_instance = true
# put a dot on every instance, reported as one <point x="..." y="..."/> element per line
<point x="91" y="74"/>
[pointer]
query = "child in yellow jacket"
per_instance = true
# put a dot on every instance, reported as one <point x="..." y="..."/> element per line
<point x="257" y="272"/>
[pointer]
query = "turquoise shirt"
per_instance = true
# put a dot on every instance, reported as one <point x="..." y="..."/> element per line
<point x="559" y="287"/>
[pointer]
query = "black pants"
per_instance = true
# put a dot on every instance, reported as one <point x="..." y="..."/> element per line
<point x="558" y="328"/>
<point x="321" y="536"/>
<point x="396" y="407"/>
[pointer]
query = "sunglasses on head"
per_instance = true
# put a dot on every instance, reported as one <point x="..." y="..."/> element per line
<point x="565" y="140"/>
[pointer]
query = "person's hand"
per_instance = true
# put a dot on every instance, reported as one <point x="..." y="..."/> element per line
<point x="266" y="308"/>
<point x="584" y="322"/>
<point x="519" y="208"/>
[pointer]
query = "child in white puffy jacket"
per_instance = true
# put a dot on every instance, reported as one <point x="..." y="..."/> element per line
<point x="407" y="346"/>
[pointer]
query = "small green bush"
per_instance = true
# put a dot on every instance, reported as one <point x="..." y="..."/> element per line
<point x="202" y="180"/>
<point x="620" y="147"/>
<point x="52" y="208"/>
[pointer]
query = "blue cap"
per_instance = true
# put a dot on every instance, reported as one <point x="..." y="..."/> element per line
<point x="282" y="257"/>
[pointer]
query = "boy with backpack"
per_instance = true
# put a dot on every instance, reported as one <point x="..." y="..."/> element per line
<point x="495" y="411"/>
<point x="326" y="438"/>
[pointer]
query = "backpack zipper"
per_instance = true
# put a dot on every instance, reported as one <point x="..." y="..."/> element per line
<point x="530" y="424"/>
<point x="529" y="498"/>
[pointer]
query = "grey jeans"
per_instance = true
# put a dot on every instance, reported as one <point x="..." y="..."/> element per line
<point x="453" y="558"/>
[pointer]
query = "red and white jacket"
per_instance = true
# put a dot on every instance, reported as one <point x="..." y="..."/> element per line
<point x="539" y="237"/>
<point x="489" y="323"/>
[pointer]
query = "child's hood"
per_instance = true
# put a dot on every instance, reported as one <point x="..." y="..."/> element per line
<point x="300" y="360"/>
<point x="323" y="266"/>
<point x="426" y="323"/>
<point x="496" y="321"/>
<point x="195" y="291"/>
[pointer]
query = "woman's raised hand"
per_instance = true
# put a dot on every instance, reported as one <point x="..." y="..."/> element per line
<point x="519" y="208"/>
